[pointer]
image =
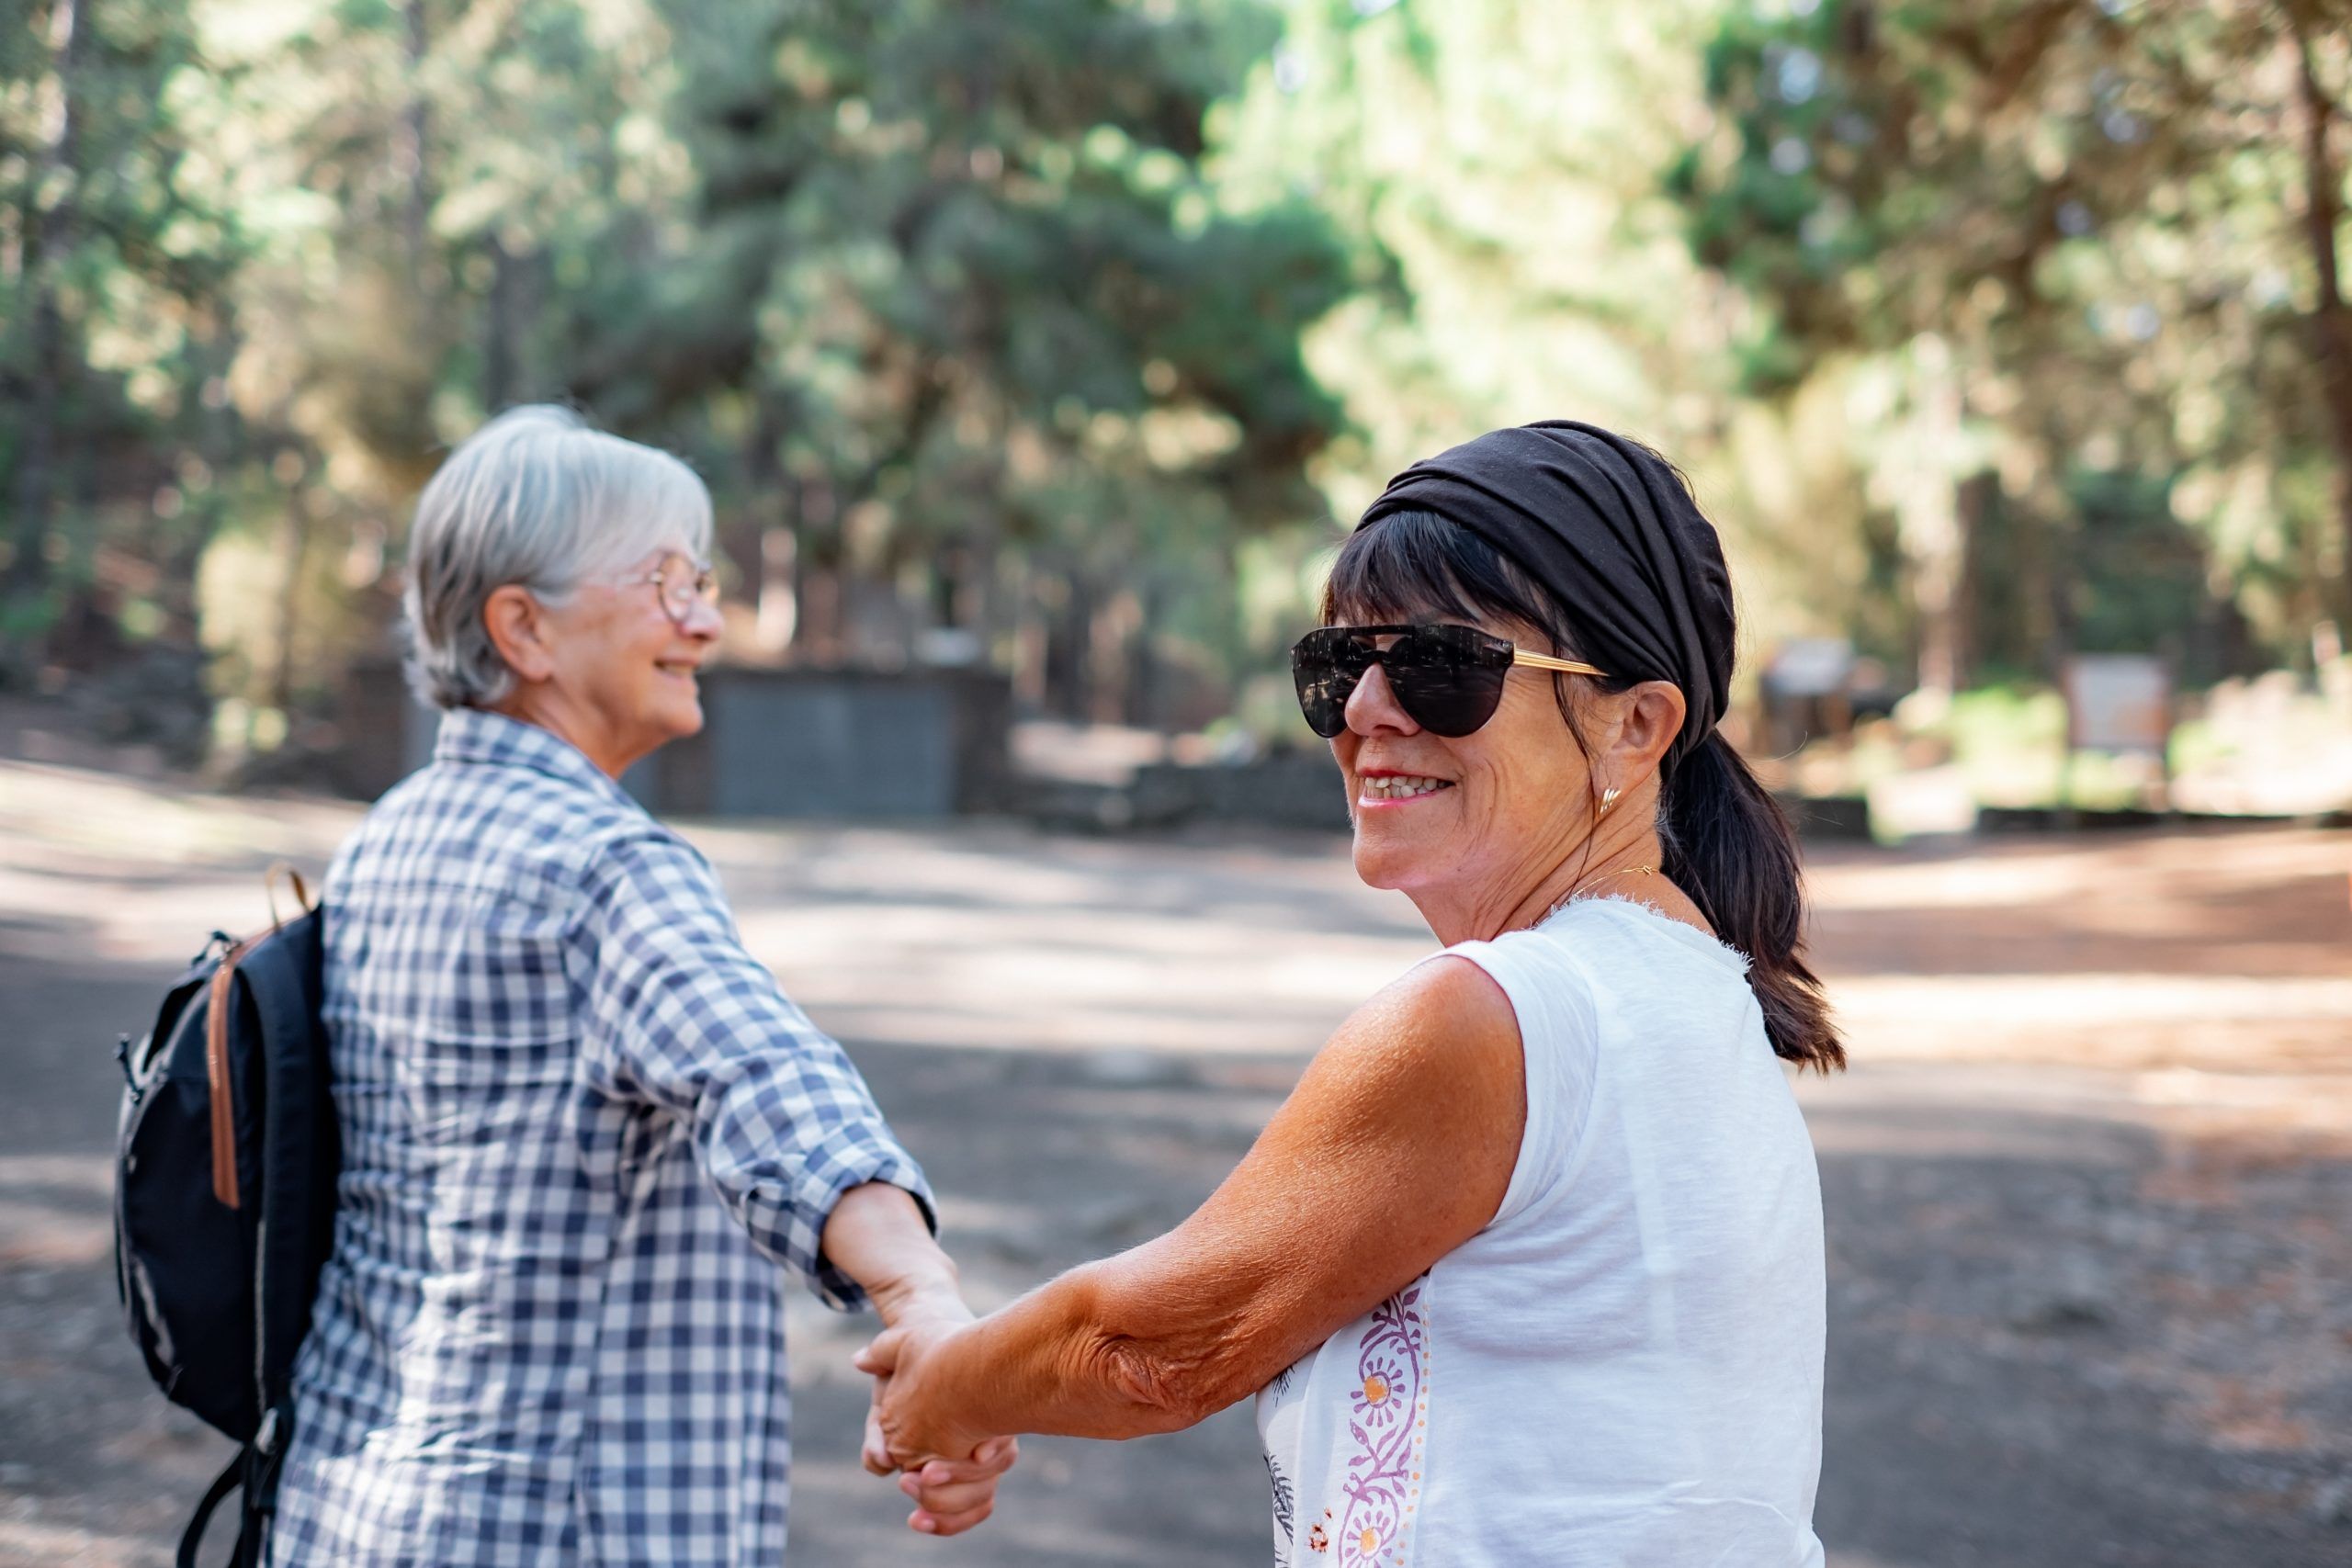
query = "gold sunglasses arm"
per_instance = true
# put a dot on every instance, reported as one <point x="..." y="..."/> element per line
<point x="1545" y="662"/>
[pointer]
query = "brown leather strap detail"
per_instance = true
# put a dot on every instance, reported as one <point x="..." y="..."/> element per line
<point x="303" y="902"/>
<point x="216" y="1072"/>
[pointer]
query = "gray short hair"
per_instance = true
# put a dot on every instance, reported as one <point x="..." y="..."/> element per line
<point x="535" y="499"/>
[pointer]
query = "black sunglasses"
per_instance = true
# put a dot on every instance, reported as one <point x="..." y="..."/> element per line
<point x="1448" y="678"/>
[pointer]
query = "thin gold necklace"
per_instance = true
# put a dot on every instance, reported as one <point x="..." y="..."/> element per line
<point x="1574" y="893"/>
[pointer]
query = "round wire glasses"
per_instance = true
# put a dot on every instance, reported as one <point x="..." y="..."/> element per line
<point x="683" y="585"/>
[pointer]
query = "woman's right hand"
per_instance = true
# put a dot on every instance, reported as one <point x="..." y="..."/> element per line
<point x="909" y="1430"/>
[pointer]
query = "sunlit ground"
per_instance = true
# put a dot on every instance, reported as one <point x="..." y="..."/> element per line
<point x="2084" y="1181"/>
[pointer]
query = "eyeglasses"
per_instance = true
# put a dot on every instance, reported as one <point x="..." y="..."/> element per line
<point x="682" y="586"/>
<point x="1449" y="679"/>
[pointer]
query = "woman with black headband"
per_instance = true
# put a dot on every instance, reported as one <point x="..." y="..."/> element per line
<point x="1529" y="1269"/>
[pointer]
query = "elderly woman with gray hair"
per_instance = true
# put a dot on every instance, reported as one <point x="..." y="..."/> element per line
<point x="583" y="1133"/>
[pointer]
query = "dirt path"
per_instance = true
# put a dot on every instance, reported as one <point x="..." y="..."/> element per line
<point x="2091" y="1290"/>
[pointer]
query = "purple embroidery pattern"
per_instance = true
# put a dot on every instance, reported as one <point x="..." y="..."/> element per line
<point x="1385" y="1424"/>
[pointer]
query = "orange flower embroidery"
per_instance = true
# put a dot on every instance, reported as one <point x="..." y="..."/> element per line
<point x="1391" y="1364"/>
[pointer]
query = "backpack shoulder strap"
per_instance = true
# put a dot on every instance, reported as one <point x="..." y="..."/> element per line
<point x="298" y="1144"/>
<point x="232" y="1476"/>
<point x="300" y="1156"/>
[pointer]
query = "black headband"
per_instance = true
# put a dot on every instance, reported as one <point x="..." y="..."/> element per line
<point x="1607" y="527"/>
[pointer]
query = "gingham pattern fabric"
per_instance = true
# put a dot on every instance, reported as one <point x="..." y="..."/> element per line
<point x="580" y="1129"/>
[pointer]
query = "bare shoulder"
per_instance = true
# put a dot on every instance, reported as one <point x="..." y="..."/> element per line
<point x="1434" y="1007"/>
<point x="1397" y="1148"/>
<point x="1439" y="1044"/>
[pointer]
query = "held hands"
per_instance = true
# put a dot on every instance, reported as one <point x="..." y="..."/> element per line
<point x="951" y="1494"/>
<point x="905" y="1430"/>
<point x="878" y="1236"/>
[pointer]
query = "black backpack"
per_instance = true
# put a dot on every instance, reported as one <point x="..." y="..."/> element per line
<point x="224" y="1198"/>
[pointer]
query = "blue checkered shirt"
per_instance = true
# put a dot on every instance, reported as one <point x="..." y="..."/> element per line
<point x="582" y="1129"/>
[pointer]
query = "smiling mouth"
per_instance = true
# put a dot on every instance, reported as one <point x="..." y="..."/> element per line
<point x="1400" y="786"/>
<point x="673" y="667"/>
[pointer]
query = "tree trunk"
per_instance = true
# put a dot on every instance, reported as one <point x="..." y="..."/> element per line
<point x="221" y="440"/>
<point x="1110" y="645"/>
<point x="2033" y="537"/>
<point x="499" y="370"/>
<point x="766" y="550"/>
<point x="1143" y="664"/>
<point x="293" y="546"/>
<point x="414" y="127"/>
<point x="46" y="238"/>
<point x="982" y="600"/>
<point x="1068" y="689"/>
<point x="1973" y="502"/>
<point x="1029" y="640"/>
<point x="36" y="451"/>
<point x="816" y="587"/>
<point x="2331" y="318"/>
<point x="779" y="601"/>
<point x="1928" y="513"/>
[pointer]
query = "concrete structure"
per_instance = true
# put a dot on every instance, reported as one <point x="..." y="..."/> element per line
<point x="786" y="743"/>
<point x="777" y="743"/>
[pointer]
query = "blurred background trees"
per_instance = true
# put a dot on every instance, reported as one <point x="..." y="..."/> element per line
<point x="2077" y="263"/>
<point x="1055" y="334"/>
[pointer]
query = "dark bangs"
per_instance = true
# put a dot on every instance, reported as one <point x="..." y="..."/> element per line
<point x="1416" y="566"/>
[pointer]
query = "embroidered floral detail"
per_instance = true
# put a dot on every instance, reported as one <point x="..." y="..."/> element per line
<point x="1385" y="1426"/>
<point x="1318" y="1538"/>
<point x="1282" y="1496"/>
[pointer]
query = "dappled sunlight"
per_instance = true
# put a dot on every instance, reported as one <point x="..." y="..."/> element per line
<point x="52" y="818"/>
<point x="54" y="1209"/>
<point x="2099" y="1090"/>
<point x="1031" y="365"/>
<point x="2231" y="1023"/>
<point x="1073" y="978"/>
<point x="1991" y="872"/>
<point x="93" y="864"/>
<point x="2249" y="901"/>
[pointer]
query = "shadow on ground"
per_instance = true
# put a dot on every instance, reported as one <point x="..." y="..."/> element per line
<point x="2061" y="1334"/>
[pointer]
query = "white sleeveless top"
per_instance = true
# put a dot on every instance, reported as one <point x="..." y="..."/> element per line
<point x="1624" y="1367"/>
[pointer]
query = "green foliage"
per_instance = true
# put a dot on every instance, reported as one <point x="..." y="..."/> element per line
<point x="1985" y="330"/>
<point x="948" y="301"/>
<point x="965" y="268"/>
<point x="114" y="259"/>
<point x="2092" y="212"/>
<point x="1493" y="167"/>
<point x="941" y="294"/>
<point x="948" y="233"/>
<point x="1492" y="163"/>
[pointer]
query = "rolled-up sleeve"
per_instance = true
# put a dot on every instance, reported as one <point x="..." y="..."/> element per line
<point x="681" y="1017"/>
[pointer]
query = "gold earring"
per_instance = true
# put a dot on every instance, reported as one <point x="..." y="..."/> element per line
<point x="1608" y="801"/>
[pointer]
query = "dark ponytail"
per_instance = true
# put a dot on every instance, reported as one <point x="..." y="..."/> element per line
<point x="1729" y="846"/>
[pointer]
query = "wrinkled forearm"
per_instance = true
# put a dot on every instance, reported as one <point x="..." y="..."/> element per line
<point x="1103" y="1352"/>
<point x="1421" y="1092"/>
